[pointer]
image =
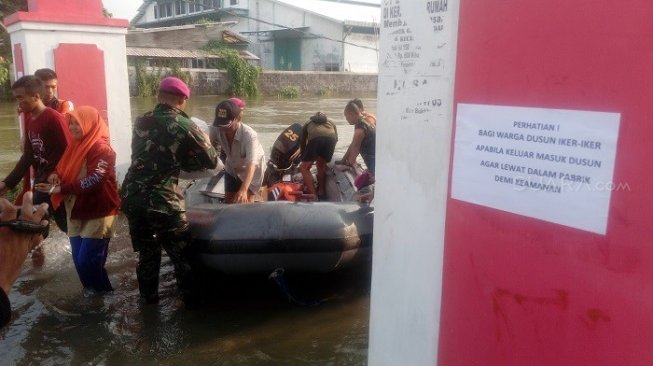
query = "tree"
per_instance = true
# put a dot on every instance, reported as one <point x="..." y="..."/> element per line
<point x="7" y="8"/>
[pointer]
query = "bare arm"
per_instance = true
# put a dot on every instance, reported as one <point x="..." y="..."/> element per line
<point x="355" y="147"/>
<point x="241" y="195"/>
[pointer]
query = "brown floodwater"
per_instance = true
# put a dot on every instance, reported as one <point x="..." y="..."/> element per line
<point x="247" y="320"/>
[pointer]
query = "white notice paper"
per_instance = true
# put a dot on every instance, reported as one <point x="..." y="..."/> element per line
<point x="550" y="164"/>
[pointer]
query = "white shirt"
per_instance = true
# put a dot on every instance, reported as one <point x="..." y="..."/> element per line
<point x="244" y="150"/>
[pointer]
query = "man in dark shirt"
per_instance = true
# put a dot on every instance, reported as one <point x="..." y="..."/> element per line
<point x="318" y="142"/>
<point x="45" y="139"/>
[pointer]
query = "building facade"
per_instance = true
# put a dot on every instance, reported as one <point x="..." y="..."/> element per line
<point x="293" y="35"/>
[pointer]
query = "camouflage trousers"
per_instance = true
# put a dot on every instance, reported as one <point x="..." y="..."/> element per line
<point x="152" y="231"/>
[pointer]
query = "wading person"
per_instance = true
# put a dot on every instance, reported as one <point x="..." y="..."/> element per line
<point x="50" y="84"/>
<point x="85" y="181"/>
<point x="319" y="138"/>
<point x="45" y="139"/>
<point x="244" y="158"/>
<point x="164" y="142"/>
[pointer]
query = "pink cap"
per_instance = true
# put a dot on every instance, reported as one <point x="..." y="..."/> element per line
<point x="176" y="86"/>
<point x="239" y="102"/>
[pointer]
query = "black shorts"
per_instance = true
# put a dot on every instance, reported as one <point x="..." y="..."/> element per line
<point x="232" y="184"/>
<point x="319" y="147"/>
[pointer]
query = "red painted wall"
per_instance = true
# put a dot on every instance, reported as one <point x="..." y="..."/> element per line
<point x="86" y="12"/>
<point x="19" y="64"/>
<point x="81" y="76"/>
<point x="519" y="291"/>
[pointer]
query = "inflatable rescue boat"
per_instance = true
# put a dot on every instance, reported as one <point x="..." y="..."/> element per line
<point x="289" y="231"/>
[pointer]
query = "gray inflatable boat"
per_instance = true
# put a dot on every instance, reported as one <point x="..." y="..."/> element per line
<point x="316" y="237"/>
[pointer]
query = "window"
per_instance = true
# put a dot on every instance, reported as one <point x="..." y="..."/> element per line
<point x="194" y="7"/>
<point x="198" y="63"/>
<point x="180" y="7"/>
<point x="165" y="10"/>
<point x="156" y="12"/>
<point x="233" y="2"/>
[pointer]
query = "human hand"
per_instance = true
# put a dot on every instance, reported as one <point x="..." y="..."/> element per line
<point x="54" y="179"/>
<point x="47" y="188"/>
<point x="15" y="245"/>
<point x="3" y="188"/>
<point x="241" y="197"/>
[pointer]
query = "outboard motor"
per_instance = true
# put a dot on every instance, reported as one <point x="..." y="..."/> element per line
<point x="285" y="155"/>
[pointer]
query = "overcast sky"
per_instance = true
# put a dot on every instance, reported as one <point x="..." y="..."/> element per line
<point x="123" y="9"/>
<point x="126" y="9"/>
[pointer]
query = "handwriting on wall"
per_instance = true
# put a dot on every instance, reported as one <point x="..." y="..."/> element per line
<point x="417" y="59"/>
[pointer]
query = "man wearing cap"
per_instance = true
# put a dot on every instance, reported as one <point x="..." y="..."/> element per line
<point x="213" y="130"/>
<point x="165" y="141"/>
<point x="243" y="153"/>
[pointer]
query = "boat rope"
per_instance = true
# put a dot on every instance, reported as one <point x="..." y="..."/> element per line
<point x="279" y="277"/>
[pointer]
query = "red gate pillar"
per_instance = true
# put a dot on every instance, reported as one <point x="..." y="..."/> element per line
<point x="88" y="53"/>
<point x="530" y="278"/>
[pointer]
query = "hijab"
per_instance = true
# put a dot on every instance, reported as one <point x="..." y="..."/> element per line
<point x="94" y="129"/>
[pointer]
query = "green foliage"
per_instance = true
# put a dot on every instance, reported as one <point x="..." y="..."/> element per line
<point x="204" y="21"/>
<point x="242" y="75"/>
<point x="176" y="71"/>
<point x="7" y="8"/>
<point x="325" y="91"/>
<point x="288" y="92"/>
<point x="5" y="85"/>
<point x="147" y="83"/>
<point x="4" y="72"/>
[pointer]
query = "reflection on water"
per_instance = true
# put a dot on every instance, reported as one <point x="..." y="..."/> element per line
<point x="247" y="320"/>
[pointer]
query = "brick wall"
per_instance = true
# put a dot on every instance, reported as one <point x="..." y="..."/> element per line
<point x="214" y="82"/>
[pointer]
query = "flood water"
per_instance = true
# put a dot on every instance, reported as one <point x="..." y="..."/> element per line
<point x="247" y="320"/>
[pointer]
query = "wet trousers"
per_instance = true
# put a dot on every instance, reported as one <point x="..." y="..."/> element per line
<point x="89" y="256"/>
<point x="152" y="232"/>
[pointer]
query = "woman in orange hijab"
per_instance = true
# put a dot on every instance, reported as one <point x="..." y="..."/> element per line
<point x="85" y="182"/>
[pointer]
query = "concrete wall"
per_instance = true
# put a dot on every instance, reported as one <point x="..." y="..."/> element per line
<point x="215" y="82"/>
<point x="39" y="40"/>
<point x="359" y="59"/>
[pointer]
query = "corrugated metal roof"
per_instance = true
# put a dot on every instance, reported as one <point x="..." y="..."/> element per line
<point x="339" y="11"/>
<point x="177" y="53"/>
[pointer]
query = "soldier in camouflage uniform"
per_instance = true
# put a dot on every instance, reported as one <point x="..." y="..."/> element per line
<point x="164" y="142"/>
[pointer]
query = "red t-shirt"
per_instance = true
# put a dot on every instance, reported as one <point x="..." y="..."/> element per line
<point x="46" y="138"/>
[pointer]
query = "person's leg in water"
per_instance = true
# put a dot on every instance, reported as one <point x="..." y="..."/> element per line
<point x="90" y="260"/>
<point x="149" y="256"/>
<point x="75" y="246"/>
<point x="309" y="183"/>
<point x="176" y="240"/>
<point x="321" y="178"/>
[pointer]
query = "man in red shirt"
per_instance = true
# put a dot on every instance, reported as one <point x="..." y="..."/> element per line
<point x="45" y="139"/>
<point x="49" y="98"/>
<point x="49" y="79"/>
